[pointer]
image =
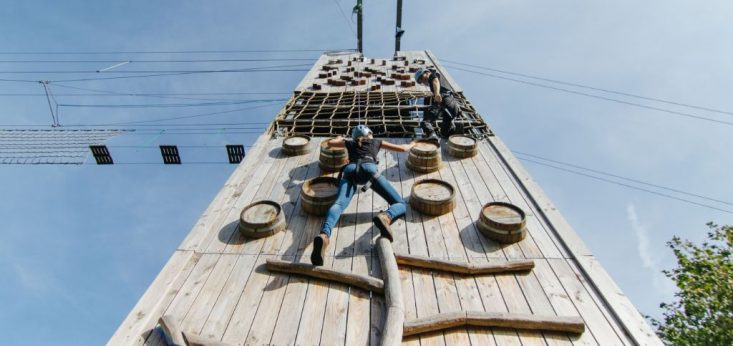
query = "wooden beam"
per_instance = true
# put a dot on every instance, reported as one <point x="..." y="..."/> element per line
<point x="464" y="268"/>
<point x="362" y="281"/>
<point x="198" y="340"/>
<point x="493" y="319"/>
<point x="393" y="324"/>
<point x="170" y="329"/>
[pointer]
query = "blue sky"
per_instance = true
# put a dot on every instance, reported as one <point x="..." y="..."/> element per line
<point x="80" y="244"/>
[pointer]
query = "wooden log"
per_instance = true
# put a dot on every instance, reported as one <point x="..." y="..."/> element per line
<point x="493" y="319"/>
<point x="393" y="324"/>
<point x="569" y="324"/>
<point x="362" y="281"/>
<point x="198" y="340"/>
<point x="464" y="268"/>
<point x="173" y="335"/>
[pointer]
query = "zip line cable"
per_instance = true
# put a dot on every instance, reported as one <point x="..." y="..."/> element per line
<point x="689" y="115"/>
<point x="157" y="61"/>
<point x="593" y="88"/>
<point x="250" y="69"/>
<point x="168" y="105"/>
<point x="171" y="52"/>
<point x="627" y="185"/>
<point x="348" y="23"/>
<point x="623" y="178"/>
<point x="184" y="117"/>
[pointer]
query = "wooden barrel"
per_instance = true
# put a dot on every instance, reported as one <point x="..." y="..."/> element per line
<point x="261" y="219"/>
<point x="502" y="222"/>
<point x="424" y="157"/>
<point x="462" y="146"/>
<point x="433" y="197"/>
<point x="296" y="145"/>
<point x="332" y="159"/>
<point x="318" y="194"/>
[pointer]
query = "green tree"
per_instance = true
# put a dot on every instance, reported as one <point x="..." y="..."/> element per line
<point x="703" y="311"/>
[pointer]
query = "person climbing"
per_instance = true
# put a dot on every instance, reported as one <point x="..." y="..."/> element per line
<point x="443" y="102"/>
<point x="362" y="170"/>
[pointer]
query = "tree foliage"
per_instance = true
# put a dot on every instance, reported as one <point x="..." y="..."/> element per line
<point x="703" y="311"/>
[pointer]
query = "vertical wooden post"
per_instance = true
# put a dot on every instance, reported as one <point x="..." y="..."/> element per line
<point x="359" y="9"/>
<point x="398" y="29"/>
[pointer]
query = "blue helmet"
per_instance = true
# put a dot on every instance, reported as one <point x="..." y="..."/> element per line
<point x="419" y="73"/>
<point x="360" y="131"/>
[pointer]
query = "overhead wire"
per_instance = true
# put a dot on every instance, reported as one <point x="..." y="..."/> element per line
<point x="341" y="10"/>
<point x="689" y="115"/>
<point x="220" y="51"/>
<point x="623" y="178"/>
<point x="593" y="88"/>
<point x="156" y="61"/>
<point x="627" y="185"/>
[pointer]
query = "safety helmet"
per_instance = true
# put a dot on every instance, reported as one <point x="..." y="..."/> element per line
<point x="360" y="131"/>
<point x="419" y="74"/>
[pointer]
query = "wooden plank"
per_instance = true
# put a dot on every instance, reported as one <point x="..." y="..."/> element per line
<point x="472" y="190"/>
<point x="558" y="297"/>
<point x="595" y="321"/>
<point x="246" y="309"/>
<point x="286" y="326"/>
<point x="560" y="226"/>
<point x="212" y="218"/>
<point x="426" y="301"/>
<point x="303" y="227"/>
<point x="314" y="309"/>
<point x="624" y="309"/>
<point x="359" y="327"/>
<point x="602" y="304"/>
<point x="337" y="304"/>
<point x="626" y="314"/>
<point x="171" y="330"/>
<point x="271" y="303"/>
<point x="219" y="240"/>
<point x="495" y="178"/>
<point x="539" y="304"/>
<point x="402" y="228"/>
<point x="231" y="293"/>
<point x="144" y="315"/>
<point x="196" y="316"/>
<point x="191" y="288"/>
<point x="516" y="303"/>
<point x="545" y="244"/>
<point x="459" y="224"/>
<point x="270" y="171"/>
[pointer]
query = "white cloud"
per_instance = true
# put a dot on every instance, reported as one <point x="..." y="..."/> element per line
<point x="648" y="259"/>
<point x="642" y="237"/>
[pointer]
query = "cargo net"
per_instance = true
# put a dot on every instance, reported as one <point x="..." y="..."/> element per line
<point x="388" y="114"/>
<point x="22" y="146"/>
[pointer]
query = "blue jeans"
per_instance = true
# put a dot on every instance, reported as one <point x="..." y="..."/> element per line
<point x="347" y="190"/>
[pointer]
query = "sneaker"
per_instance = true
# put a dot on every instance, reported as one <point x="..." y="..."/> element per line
<point x="320" y="243"/>
<point x="382" y="221"/>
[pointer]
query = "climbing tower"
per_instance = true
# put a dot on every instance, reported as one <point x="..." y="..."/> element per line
<point x="482" y="256"/>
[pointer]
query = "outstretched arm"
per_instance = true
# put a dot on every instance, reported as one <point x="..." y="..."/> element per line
<point x="337" y="142"/>
<point x="436" y="90"/>
<point x="398" y="147"/>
